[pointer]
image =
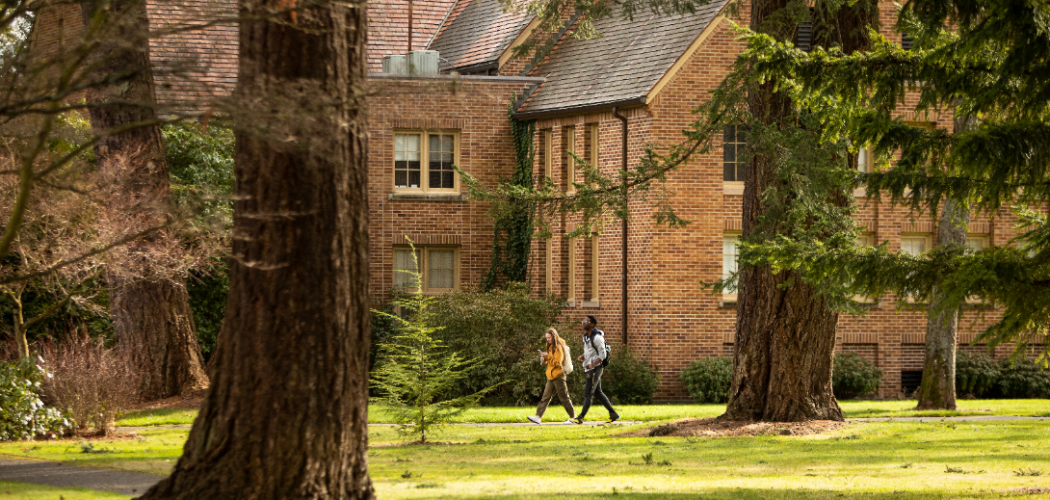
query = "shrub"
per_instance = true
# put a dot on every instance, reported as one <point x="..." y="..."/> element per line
<point x="502" y="329"/>
<point x="93" y="384"/>
<point x="1023" y="378"/>
<point x="708" y="380"/>
<point x="975" y="374"/>
<point x="22" y="413"/>
<point x="853" y="376"/>
<point x="207" y="290"/>
<point x="629" y="379"/>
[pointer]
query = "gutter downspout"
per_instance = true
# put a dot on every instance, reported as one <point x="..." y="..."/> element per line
<point x="623" y="257"/>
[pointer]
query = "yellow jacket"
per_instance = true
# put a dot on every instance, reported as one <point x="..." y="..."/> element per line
<point x="555" y="355"/>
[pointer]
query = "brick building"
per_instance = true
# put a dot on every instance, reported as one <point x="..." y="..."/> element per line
<point x="645" y="74"/>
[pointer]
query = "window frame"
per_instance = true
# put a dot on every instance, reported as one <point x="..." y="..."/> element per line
<point x="594" y="263"/>
<point x="927" y="242"/>
<point x="424" y="167"/>
<point x="984" y="238"/>
<point x="569" y="163"/>
<point x="738" y="178"/>
<point x="424" y="267"/>
<point x="735" y="235"/>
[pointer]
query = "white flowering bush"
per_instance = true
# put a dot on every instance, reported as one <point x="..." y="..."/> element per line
<point x="22" y="413"/>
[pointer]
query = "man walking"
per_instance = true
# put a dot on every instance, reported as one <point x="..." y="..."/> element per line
<point x="593" y="354"/>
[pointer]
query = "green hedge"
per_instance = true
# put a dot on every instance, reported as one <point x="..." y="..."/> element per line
<point x="708" y="380"/>
<point x="981" y="376"/>
<point x="854" y="376"/>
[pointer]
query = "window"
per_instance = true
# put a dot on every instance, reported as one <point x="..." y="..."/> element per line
<point x="438" y="268"/>
<point x="914" y="244"/>
<point x="734" y="140"/>
<point x="549" y="271"/>
<point x="570" y="261"/>
<point x="907" y="41"/>
<point x="804" y="36"/>
<point x="592" y="144"/>
<point x="545" y="152"/>
<point x="864" y="160"/>
<point x="568" y="141"/>
<point x="423" y="160"/>
<point x="976" y="242"/>
<point x="729" y="258"/>
<point x="590" y="269"/>
<point x="866" y="240"/>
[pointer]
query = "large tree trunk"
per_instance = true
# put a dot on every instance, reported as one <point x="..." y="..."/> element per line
<point x="286" y="414"/>
<point x="785" y="335"/>
<point x="785" y="338"/>
<point x="151" y="315"/>
<point x="937" y="391"/>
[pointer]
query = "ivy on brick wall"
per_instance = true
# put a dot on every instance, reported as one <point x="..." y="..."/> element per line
<point x="512" y="232"/>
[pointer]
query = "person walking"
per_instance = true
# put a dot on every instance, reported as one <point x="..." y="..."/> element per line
<point x="593" y="354"/>
<point x="555" y="359"/>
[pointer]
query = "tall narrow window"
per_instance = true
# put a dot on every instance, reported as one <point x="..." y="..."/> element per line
<point x="595" y="269"/>
<point x="863" y="160"/>
<point x="590" y="268"/>
<point x="548" y="168"/>
<point x="423" y="160"/>
<point x="592" y="144"/>
<point x="729" y="256"/>
<point x="442" y="151"/>
<point x="549" y="271"/>
<point x="569" y="143"/>
<point x="405" y="267"/>
<point x="734" y="140"/>
<point x="570" y="263"/>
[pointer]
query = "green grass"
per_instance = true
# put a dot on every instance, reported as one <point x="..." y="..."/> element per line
<point x="22" y="491"/>
<point x="883" y="461"/>
<point x="651" y="413"/>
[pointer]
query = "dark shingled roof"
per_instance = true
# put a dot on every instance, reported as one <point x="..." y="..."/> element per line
<point x="624" y="64"/>
<point x="477" y="32"/>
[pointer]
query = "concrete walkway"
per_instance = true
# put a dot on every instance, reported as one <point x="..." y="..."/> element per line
<point x="963" y="418"/>
<point x="63" y="475"/>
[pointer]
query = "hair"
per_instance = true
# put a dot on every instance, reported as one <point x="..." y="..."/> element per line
<point x="558" y="341"/>
<point x="593" y="320"/>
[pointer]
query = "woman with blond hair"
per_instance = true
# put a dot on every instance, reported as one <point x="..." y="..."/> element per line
<point x="557" y="353"/>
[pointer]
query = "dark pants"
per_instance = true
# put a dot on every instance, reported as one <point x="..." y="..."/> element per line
<point x="594" y="389"/>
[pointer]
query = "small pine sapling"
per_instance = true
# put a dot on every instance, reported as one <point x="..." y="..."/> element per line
<point x="415" y="371"/>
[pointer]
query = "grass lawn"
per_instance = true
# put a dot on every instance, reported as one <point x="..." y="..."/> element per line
<point x="649" y="413"/>
<point x="21" y="491"/>
<point x="883" y="460"/>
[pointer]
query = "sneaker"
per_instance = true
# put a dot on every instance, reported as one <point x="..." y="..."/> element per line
<point x="534" y="419"/>
<point x="576" y="421"/>
<point x="569" y="421"/>
<point x="612" y="418"/>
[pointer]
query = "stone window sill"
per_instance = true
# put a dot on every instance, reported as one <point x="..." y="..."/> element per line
<point x="590" y="304"/>
<point x="427" y="197"/>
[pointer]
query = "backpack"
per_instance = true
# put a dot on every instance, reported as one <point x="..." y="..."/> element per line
<point x="608" y="349"/>
<point x="566" y="360"/>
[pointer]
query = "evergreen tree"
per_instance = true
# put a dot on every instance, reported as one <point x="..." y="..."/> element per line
<point x="986" y="59"/>
<point x="416" y="371"/>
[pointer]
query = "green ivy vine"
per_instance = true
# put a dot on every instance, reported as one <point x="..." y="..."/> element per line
<point x="512" y="232"/>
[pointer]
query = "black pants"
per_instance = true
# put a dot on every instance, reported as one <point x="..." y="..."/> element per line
<point x="594" y="389"/>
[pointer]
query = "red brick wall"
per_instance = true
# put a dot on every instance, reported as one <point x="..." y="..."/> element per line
<point x="477" y="108"/>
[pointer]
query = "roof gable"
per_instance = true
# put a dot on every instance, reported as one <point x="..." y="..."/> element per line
<point x="623" y="65"/>
<point x="476" y="33"/>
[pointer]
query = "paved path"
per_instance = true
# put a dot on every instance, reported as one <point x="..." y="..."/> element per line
<point x="63" y="475"/>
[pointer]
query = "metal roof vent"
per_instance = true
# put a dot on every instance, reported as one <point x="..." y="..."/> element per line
<point x="395" y="65"/>
<point x="423" y="62"/>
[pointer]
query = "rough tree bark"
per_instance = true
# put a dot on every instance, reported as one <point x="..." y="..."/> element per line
<point x="785" y="337"/>
<point x="937" y="391"/>
<point x="286" y="414"/>
<point x="151" y="316"/>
